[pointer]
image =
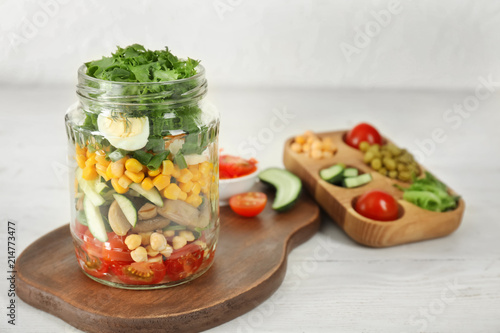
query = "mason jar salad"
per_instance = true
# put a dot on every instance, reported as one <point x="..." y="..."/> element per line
<point x="144" y="144"/>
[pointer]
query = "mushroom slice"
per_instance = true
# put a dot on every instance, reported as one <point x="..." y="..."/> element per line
<point x="117" y="220"/>
<point x="180" y="212"/>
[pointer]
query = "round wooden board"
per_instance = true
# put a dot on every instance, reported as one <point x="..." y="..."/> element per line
<point x="249" y="266"/>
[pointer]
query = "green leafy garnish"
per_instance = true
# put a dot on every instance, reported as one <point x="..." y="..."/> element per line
<point x="136" y="64"/>
<point x="430" y="194"/>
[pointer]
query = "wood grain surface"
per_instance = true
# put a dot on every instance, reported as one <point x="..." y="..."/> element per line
<point x="414" y="223"/>
<point x="249" y="266"/>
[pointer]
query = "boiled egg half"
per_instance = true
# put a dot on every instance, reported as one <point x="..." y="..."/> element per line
<point x="126" y="133"/>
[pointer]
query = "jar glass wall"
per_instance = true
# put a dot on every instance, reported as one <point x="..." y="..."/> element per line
<point x="145" y="209"/>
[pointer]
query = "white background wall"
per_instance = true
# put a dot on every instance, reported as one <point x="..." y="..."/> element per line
<point x="444" y="44"/>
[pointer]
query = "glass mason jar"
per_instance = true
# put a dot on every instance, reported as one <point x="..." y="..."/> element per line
<point x="145" y="202"/>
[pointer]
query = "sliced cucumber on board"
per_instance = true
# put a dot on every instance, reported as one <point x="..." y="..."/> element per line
<point x="333" y="174"/>
<point x="152" y="195"/>
<point x="357" y="181"/>
<point x="350" y="172"/>
<point x="288" y="187"/>
<point x="88" y="188"/>
<point x="127" y="208"/>
<point x="94" y="220"/>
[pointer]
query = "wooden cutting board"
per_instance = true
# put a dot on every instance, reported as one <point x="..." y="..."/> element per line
<point x="250" y="264"/>
<point x="414" y="223"/>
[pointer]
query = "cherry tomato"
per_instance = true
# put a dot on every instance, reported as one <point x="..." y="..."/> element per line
<point x="184" y="262"/>
<point x="91" y="264"/>
<point x="115" y="249"/>
<point x="140" y="272"/>
<point x="363" y="132"/>
<point x="233" y="166"/>
<point x="80" y="229"/>
<point x="92" y="245"/>
<point x="377" y="205"/>
<point x="248" y="204"/>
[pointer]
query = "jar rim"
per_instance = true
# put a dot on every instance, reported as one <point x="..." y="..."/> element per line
<point x="82" y="72"/>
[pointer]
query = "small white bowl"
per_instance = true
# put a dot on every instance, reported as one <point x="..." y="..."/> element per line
<point x="232" y="186"/>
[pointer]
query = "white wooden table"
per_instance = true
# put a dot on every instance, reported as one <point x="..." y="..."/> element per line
<point x="332" y="284"/>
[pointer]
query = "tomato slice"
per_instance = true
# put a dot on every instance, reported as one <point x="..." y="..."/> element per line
<point x="80" y="229"/>
<point x="377" y="205"/>
<point x="115" y="249"/>
<point x="234" y="166"/>
<point x="248" y="204"/>
<point x="140" y="273"/>
<point x="91" y="264"/>
<point x="184" y="262"/>
<point x="363" y="132"/>
<point x="93" y="246"/>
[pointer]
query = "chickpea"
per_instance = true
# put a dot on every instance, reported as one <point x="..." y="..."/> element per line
<point x="168" y="251"/>
<point x="151" y="252"/>
<point x="158" y="242"/>
<point x="169" y="233"/>
<point x="178" y="242"/>
<point x="296" y="147"/>
<point x="187" y="234"/>
<point x="139" y="254"/>
<point x="145" y="237"/>
<point x="133" y="241"/>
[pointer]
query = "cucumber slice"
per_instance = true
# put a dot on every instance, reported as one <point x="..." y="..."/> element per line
<point x="88" y="188"/>
<point x="101" y="188"/>
<point x="80" y="215"/>
<point x="127" y="208"/>
<point x="350" y="172"/>
<point x="288" y="187"/>
<point x="94" y="220"/>
<point x="333" y="174"/>
<point x="357" y="181"/>
<point x="152" y="195"/>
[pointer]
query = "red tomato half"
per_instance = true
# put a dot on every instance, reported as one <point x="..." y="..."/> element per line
<point x="233" y="166"/>
<point x="184" y="262"/>
<point x="363" y="132"/>
<point x="377" y="205"/>
<point x="248" y="204"/>
<point x="91" y="264"/>
<point x="140" y="273"/>
<point x="92" y="245"/>
<point x="115" y="249"/>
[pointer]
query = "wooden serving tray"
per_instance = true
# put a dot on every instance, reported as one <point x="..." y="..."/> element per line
<point x="250" y="264"/>
<point x="414" y="224"/>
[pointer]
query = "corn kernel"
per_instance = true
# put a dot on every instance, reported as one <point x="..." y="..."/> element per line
<point x="80" y="159"/>
<point x="103" y="175"/>
<point x="124" y="181"/>
<point x="161" y="181"/>
<point x="182" y="196"/>
<point x="172" y="191"/>
<point x="133" y="165"/>
<point x="185" y="176"/>
<point x="154" y="173"/>
<point x="196" y="175"/>
<point x="194" y="200"/>
<point x="80" y="150"/>
<point x="89" y="173"/>
<point x="136" y="177"/>
<point x="117" y="187"/>
<point x="204" y="168"/>
<point x="147" y="184"/>
<point x="100" y="157"/>
<point x="89" y="154"/>
<point x="90" y="161"/>
<point x="109" y="174"/>
<point x="168" y="167"/>
<point x="196" y="188"/>
<point x="186" y="187"/>
<point x="100" y="167"/>
<point x="117" y="169"/>
<point x="177" y="172"/>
